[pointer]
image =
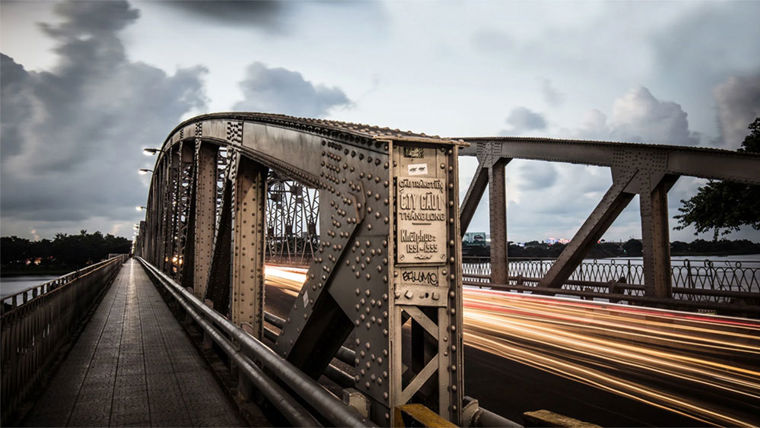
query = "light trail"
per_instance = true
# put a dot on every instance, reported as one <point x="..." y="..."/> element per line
<point x="701" y="366"/>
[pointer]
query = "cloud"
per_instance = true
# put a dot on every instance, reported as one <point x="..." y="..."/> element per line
<point x="72" y="136"/>
<point x="489" y="40"/>
<point x="639" y="117"/>
<point x="278" y="90"/>
<point x="266" y="14"/>
<point x="738" y="100"/>
<point x="536" y="175"/>
<point x="706" y="42"/>
<point x="522" y="119"/>
<point x="551" y="95"/>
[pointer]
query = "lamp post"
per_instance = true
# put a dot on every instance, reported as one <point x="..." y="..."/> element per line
<point x="144" y="171"/>
<point x="149" y="151"/>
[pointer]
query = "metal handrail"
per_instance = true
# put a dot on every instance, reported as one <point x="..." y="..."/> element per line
<point x="14" y="301"/>
<point x="34" y="332"/>
<point x="333" y="410"/>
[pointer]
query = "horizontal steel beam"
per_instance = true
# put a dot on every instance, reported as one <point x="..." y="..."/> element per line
<point x="690" y="161"/>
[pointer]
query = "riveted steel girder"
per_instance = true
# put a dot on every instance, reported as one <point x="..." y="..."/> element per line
<point x="678" y="160"/>
<point x="389" y="253"/>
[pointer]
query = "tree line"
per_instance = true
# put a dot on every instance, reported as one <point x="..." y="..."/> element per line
<point x="62" y="254"/>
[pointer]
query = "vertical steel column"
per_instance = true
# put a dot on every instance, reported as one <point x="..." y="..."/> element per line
<point x="168" y="209"/>
<point x="655" y="234"/>
<point x="497" y="200"/>
<point x="163" y="207"/>
<point x="185" y="184"/>
<point x="204" y="215"/>
<point x="248" y="243"/>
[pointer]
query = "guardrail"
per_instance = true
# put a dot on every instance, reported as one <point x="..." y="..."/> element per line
<point x="38" y="321"/>
<point x="262" y="367"/>
<point x="696" y="281"/>
<point x="726" y="286"/>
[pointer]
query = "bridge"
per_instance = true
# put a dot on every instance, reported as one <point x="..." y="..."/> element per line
<point x="315" y="268"/>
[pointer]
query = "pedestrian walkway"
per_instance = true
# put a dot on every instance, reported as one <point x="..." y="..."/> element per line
<point x="133" y="365"/>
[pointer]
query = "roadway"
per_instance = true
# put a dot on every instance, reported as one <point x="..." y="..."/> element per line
<point x="612" y="365"/>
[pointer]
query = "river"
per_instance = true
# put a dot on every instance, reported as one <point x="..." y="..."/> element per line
<point x="13" y="284"/>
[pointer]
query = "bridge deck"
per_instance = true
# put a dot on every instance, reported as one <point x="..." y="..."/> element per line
<point x="133" y="365"/>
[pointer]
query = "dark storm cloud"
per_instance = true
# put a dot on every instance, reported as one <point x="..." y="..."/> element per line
<point x="703" y="43"/>
<point x="263" y="13"/>
<point x="738" y="100"/>
<point x="72" y="136"/>
<point x="522" y="119"/>
<point x="277" y="90"/>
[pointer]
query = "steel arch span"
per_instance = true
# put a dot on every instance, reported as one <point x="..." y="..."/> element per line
<point x="389" y="252"/>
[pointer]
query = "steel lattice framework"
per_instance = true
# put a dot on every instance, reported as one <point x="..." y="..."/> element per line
<point x="292" y="218"/>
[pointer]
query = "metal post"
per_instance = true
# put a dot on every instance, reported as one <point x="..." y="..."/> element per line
<point x="497" y="201"/>
<point x="248" y="241"/>
<point x="204" y="215"/>
<point x="655" y="235"/>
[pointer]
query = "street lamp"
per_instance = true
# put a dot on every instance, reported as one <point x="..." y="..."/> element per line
<point x="148" y="151"/>
<point x="144" y="171"/>
<point x="140" y="208"/>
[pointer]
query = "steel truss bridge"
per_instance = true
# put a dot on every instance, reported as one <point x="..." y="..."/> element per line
<point x="374" y="213"/>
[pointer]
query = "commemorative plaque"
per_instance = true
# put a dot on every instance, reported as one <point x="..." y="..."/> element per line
<point x="421" y="219"/>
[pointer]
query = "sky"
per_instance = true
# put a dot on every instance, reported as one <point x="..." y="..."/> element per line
<point x="87" y="84"/>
